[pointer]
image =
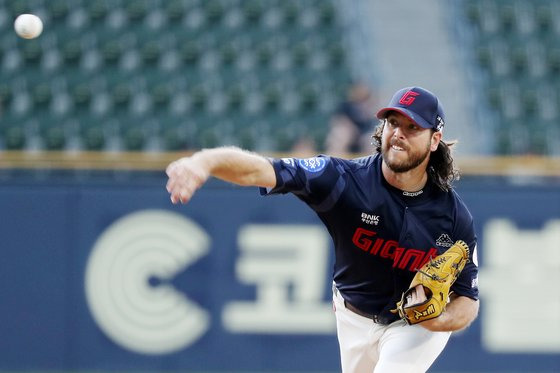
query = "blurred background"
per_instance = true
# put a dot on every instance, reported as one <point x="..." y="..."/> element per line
<point x="101" y="273"/>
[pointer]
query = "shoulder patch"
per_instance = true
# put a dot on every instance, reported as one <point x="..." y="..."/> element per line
<point x="314" y="164"/>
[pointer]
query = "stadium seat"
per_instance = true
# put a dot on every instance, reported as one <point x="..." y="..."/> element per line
<point x="174" y="10"/>
<point x="6" y="94"/>
<point x="32" y="53"/>
<point x="58" y="10"/>
<point x="136" y="10"/>
<point x="97" y="10"/>
<point x="93" y="138"/>
<point x="252" y="11"/>
<point x="14" y="138"/>
<point x="41" y="95"/>
<point x="225" y="65"/>
<point x="516" y="51"/>
<point x="121" y="95"/>
<point x="150" y="53"/>
<point x="54" y="138"/>
<point x="213" y="11"/>
<point x="81" y="96"/>
<point x="72" y="52"/>
<point x="111" y="52"/>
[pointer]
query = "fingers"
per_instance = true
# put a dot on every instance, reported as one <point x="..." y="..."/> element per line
<point x="420" y="293"/>
<point x="416" y="296"/>
<point x="183" y="181"/>
<point x="181" y="189"/>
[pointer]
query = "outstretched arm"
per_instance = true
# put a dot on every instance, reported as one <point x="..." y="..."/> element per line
<point x="230" y="164"/>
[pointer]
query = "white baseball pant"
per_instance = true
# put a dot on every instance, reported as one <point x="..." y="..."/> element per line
<point x="367" y="347"/>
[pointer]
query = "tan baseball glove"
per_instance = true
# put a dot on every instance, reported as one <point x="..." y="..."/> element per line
<point x="436" y="277"/>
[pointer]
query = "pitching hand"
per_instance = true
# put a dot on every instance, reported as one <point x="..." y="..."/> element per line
<point x="417" y="296"/>
<point x="186" y="175"/>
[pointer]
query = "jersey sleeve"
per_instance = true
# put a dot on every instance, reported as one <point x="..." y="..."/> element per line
<point x="467" y="282"/>
<point x="317" y="181"/>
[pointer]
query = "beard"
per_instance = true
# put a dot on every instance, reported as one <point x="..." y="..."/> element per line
<point x="415" y="158"/>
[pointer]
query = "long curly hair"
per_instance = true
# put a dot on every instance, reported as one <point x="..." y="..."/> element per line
<point x="441" y="169"/>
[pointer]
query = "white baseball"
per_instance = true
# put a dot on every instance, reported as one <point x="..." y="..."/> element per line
<point x="28" y="26"/>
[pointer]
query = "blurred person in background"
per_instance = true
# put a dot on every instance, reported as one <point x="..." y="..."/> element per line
<point x="386" y="213"/>
<point x="351" y="124"/>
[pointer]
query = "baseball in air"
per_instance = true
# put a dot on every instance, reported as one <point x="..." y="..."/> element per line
<point x="28" y="26"/>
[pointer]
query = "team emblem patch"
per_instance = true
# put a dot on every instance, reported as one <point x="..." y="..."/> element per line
<point x="314" y="164"/>
<point x="444" y="241"/>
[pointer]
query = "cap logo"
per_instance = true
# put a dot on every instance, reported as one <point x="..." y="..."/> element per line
<point x="408" y="98"/>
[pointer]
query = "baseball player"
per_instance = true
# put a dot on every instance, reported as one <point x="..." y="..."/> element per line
<point x="388" y="214"/>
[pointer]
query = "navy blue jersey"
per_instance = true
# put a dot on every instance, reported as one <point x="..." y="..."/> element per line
<point x="381" y="234"/>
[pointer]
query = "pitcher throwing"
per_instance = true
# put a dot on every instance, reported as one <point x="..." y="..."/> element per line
<point x="389" y="214"/>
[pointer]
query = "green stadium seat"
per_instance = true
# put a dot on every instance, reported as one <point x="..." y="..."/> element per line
<point x="14" y="138"/>
<point x="6" y="94"/>
<point x="18" y="7"/>
<point x="515" y="60"/>
<point x="336" y="55"/>
<point x="174" y="10"/>
<point x="544" y="19"/>
<point x="97" y="10"/>
<point x="58" y="10"/>
<point x="81" y="96"/>
<point x="290" y="13"/>
<point x="300" y="55"/>
<point x="272" y="98"/>
<point x="235" y="99"/>
<point x="72" y="52"/>
<point x="228" y="56"/>
<point x="519" y="60"/>
<point x="173" y="141"/>
<point x="263" y="55"/>
<point x="252" y="11"/>
<point x="121" y="96"/>
<point x="41" y="95"/>
<point x="93" y="139"/>
<point x="213" y="11"/>
<point x="553" y="61"/>
<point x="111" y="52"/>
<point x="198" y="98"/>
<point x="136" y="10"/>
<point x="190" y="53"/>
<point x="151" y="52"/>
<point x="161" y="96"/>
<point x="326" y="14"/>
<point x="309" y="98"/>
<point x="54" y="138"/>
<point x="529" y="101"/>
<point x="207" y="138"/>
<point x="134" y="138"/>
<point x="92" y="132"/>
<point x="130" y="61"/>
<point x="32" y="52"/>
<point x="507" y="18"/>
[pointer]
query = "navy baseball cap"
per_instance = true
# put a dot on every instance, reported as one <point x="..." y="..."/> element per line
<point x="419" y="105"/>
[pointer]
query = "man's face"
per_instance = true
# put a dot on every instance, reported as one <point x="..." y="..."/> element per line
<point x="405" y="145"/>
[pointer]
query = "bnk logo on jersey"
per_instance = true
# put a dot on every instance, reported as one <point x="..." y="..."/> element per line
<point x="370" y="219"/>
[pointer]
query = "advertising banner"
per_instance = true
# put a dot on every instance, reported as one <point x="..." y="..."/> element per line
<point x="106" y="274"/>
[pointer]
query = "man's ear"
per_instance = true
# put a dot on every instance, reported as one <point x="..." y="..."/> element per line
<point x="436" y="138"/>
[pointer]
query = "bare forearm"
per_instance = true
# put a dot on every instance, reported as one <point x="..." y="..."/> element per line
<point x="188" y="174"/>
<point x="237" y="166"/>
<point x="459" y="314"/>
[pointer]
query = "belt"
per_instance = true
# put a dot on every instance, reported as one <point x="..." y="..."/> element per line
<point x="349" y="306"/>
